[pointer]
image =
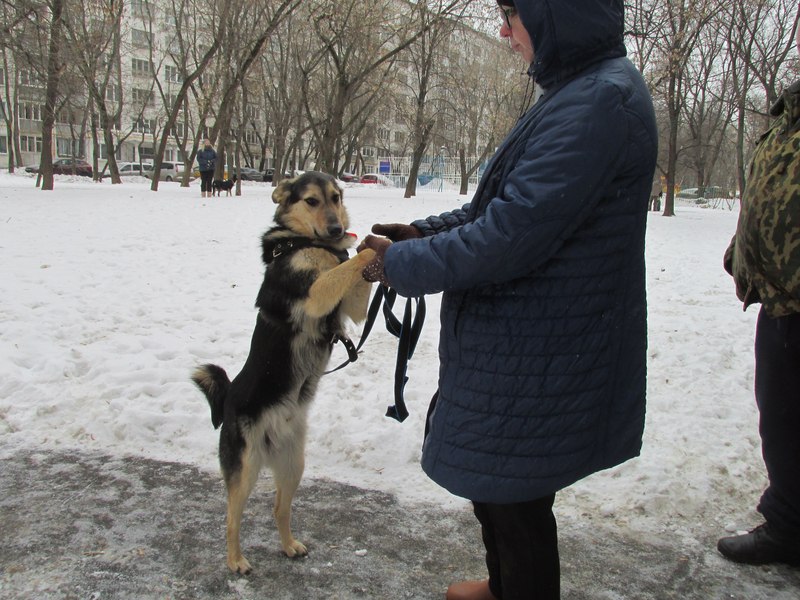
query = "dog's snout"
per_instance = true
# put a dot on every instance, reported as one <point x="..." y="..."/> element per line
<point x="335" y="230"/>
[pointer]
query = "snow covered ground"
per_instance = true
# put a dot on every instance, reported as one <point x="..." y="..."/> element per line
<point x="110" y="295"/>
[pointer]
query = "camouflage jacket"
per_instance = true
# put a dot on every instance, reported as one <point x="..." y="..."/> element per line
<point x="764" y="255"/>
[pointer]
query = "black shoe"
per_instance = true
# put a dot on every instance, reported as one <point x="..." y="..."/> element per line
<point x="760" y="547"/>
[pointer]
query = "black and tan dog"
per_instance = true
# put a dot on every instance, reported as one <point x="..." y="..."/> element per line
<point x="310" y="286"/>
<point x="222" y="185"/>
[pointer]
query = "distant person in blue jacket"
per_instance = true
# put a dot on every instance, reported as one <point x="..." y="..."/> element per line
<point x="206" y="161"/>
<point x="544" y="319"/>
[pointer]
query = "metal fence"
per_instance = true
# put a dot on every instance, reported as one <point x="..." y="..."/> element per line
<point x="437" y="172"/>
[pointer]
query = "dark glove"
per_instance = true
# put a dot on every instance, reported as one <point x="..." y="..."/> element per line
<point x="374" y="270"/>
<point x="397" y="232"/>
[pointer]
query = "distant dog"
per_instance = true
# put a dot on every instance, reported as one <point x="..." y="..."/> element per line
<point x="309" y="287"/>
<point x="220" y="185"/>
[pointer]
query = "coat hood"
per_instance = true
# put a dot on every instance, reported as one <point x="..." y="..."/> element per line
<point x="570" y="35"/>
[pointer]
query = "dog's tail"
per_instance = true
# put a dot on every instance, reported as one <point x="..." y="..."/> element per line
<point x="214" y="383"/>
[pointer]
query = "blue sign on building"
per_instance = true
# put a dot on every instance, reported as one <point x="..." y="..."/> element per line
<point x="385" y="167"/>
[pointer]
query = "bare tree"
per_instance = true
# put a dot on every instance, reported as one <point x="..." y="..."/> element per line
<point x="485" y="86"/>
<point x="55" y="68"/>
<point x="707" y="109"/>
<point x="190" y="71"/>
<point x="424" y="63"/>
<point x="680" y="24"/>
<point x="760" y="43"/>
<point x="94" y="33"/>
<point x="347" y="60"/>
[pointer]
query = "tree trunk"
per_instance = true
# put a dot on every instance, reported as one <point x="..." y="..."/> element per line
<point x="54" y="68"/>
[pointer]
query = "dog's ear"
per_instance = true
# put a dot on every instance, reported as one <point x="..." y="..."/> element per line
<point x="282" y="192"/>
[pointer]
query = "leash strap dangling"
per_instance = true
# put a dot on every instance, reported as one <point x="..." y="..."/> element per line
<point x="408" y="332"/>
<point x="372" y="313"/>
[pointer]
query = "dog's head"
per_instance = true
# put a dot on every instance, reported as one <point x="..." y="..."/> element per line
<point x="311" y="206"/>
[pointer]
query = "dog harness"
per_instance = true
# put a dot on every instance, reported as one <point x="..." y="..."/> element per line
<point x="288" y="245"/>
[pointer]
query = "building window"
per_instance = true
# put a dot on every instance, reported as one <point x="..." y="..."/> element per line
<point x="104" y="152"/>
<point x="3" y="145"/>
<point x="144" y="125"/>
<point x="141" y="97"/>
<point x="146" y="153"/>
<point x="141" y="8"/>
<point x="30" y="79"/>
<point x="31" y="111"/>
<point x="141" y="67"/>
<point x="172" y="74"/>
<point x="113" y="93"/>
<point x="383" y="134"/>
<point x="69" y="147"/>
<point x="142" y="38"/>
<point x="179" y="129"/>
<point x="29" y="143"/>
<point x="251" y="112"/>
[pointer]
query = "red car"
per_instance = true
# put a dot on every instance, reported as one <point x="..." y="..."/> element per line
<point x="376" y="178"/>
<point x="69" y="166"/>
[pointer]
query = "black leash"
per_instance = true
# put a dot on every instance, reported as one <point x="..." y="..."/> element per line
<point x="408" y="331"/>
<point x="353" y="350"/>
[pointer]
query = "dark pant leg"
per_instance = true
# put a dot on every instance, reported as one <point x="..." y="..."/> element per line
<point x="777" y="387"/>
<point x="205" y="180"/>
<point x="521" y="549"/>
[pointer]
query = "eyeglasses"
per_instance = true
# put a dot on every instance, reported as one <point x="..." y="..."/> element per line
<point x="508" y="12"/>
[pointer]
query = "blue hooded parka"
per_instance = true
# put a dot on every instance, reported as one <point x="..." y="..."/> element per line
<point x="543" y="319"/>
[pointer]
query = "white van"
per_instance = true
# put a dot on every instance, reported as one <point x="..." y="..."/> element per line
<point x="128" y="169"/>
<point x="170" y="171"/>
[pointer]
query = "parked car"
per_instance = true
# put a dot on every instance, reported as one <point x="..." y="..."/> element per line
<point x="710" y="191"/>
<point x="269" y="174"/>
<point x="170" y="171"/>
<point x="66" y="166"/>
<point x="376" y="178"/>
<point x="348" y="177"/>
<point x="250" y="174"/>
<point x="130" y="169"/>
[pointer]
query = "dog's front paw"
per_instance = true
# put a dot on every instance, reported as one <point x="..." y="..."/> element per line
<point x="365" y="256"/>
<point x="240" y="565"/>
<point x="295" y="549"/>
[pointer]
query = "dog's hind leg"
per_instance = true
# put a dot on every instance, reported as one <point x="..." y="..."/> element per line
<point x="240" y="486"/>
<point x="288" y="470"/>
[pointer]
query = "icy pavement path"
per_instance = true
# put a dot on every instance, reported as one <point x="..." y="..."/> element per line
<point x="89" y="526"/>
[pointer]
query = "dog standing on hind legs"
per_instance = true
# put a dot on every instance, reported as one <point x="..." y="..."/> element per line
<point x="310" y="286"/>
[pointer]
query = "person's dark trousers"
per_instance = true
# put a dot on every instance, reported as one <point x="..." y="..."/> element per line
<point x="521" y="549"/>
<point x="777" y="386"/>
<point x="206" y="177"/>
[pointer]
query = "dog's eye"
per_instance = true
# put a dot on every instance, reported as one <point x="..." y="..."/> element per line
<point x="335" y="198"/>
<point x="311" y="201"/>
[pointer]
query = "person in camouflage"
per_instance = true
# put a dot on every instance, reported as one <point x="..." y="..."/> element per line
<point x="764" y="259"/>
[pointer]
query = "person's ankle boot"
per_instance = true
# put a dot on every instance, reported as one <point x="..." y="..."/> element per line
<point x="470" y="590"/>
<point x="761" y="546"/>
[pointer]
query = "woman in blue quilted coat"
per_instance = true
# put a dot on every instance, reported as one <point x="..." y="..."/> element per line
<point x="543" y="319"/>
